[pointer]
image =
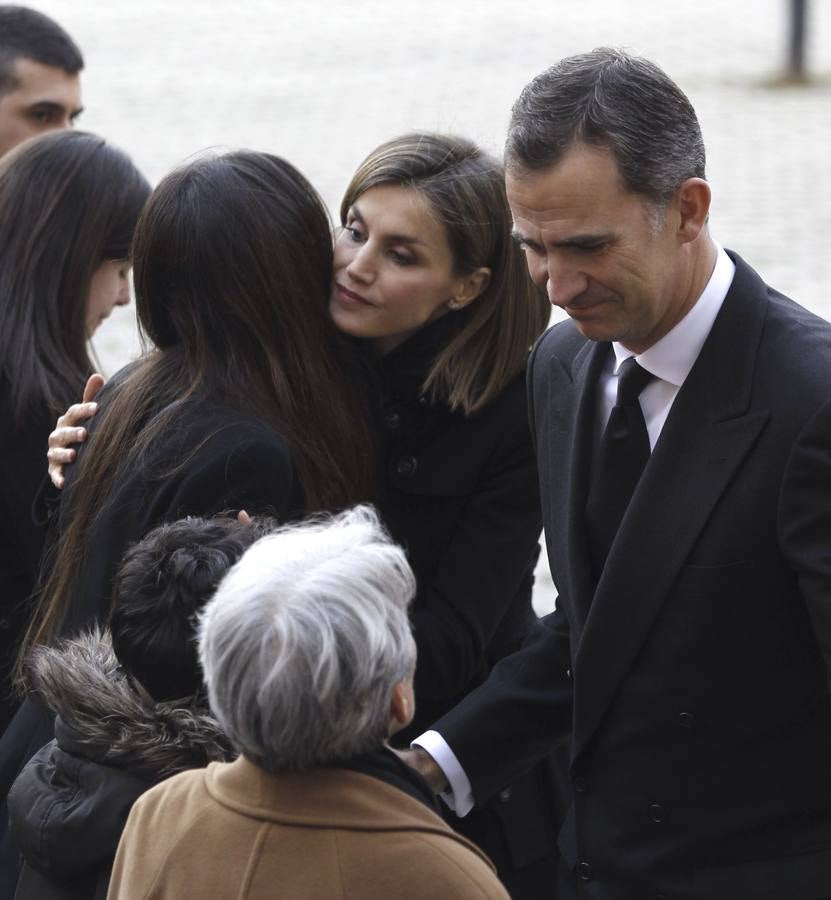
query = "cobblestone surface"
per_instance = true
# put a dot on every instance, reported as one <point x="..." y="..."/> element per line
<point x="322" y="82"/>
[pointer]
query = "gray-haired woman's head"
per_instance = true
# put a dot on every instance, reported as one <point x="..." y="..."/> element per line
<point x="307" y="641"/>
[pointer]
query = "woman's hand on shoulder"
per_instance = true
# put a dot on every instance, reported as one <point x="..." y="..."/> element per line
<point x="68" y="432"/>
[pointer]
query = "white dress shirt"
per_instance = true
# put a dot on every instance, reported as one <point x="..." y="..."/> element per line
<point x="670" y="360"/>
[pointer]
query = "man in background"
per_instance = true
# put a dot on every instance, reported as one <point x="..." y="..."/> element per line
<point x="40" y="87"/>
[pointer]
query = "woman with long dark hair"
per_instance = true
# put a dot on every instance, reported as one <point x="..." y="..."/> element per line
<point x="245" y="400"/>
<point x="68" y="206"/>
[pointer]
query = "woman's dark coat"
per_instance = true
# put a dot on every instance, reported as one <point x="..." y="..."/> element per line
<point x="113" y="741"/>
<point x="22" y="470"/>
<point x="460" y="494"/>
<point x="213" y="458"/>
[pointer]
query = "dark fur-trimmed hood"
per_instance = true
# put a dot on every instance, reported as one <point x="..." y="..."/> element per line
<point x="110" y="718"/>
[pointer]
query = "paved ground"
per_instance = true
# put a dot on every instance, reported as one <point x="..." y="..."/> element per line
<point x="322" y="82"/>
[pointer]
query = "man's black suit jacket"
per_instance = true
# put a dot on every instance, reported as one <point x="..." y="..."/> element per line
<point x="692" y="680"/>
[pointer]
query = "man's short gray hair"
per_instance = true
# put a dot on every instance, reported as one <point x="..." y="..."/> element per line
<point x="305" y="639"/>
<point x="607" y="98"/>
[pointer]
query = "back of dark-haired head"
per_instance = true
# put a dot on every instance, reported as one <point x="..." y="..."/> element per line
<point x="232" y="271"/>
<point x="232" y="262"/>
<point x="465" y="190"/>
<point x="229" y="247"/>
<point x="164" y="581"/>
<point x="608" y="98"/>
<point x="27" y="33"/>
<point x="68" y="202"/>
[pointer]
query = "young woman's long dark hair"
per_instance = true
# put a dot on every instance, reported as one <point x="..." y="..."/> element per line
<point x="68" y="202"/>
<point x="232" y="265"/>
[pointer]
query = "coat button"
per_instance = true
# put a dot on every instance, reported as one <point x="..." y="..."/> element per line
<point x="686" y="720"/>
<point x="5" y="624"/>
<point x="568" y="673"/>
<point x="392" y="420"/>
<point x="505" y="795"/>
<point x="584" y="871"/>
<point x="407" y="466"/>
<point x="657" y="813"/>
<point x="581" y="784"/>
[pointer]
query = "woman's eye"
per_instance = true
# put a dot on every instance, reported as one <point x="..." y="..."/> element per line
<point x="401" y="259"/>
<point x="353" y="233"/>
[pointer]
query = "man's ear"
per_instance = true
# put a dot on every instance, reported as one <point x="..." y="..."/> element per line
<point x="693" y="200"/>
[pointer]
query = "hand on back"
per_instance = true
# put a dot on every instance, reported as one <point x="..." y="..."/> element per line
<point x="68" y="432"/>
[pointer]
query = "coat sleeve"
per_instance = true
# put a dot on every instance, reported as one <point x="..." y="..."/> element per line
<point x="486" y="567"/>
<point x="524" y="709"/>
<point x="518" y="716"/>
<point x="805" y="522"/>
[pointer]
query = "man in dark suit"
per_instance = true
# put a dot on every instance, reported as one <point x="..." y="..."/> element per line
<point x="682" y="419"/>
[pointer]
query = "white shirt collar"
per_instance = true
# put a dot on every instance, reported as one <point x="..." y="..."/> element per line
<point x="673" y="356"/>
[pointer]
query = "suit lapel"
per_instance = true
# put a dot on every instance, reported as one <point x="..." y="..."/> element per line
<point x="564" y="445"/>
<point x="707" y="435"/>
<point x="586" y="370"/>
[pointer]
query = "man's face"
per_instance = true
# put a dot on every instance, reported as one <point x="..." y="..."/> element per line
<point x="605" y="255"/>
<point x="45" y="98"/>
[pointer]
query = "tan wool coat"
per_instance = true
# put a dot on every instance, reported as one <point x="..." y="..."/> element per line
<point x="234" y="831"/>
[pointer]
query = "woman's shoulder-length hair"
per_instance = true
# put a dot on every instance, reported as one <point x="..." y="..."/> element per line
<point x="465" y="189"/>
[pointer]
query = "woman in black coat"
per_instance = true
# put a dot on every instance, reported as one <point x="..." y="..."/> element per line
<point x="68" y="206"/>
<point x="245" y="400"/>
<point x="427" y="274"/>
<point x="429" y="280"/>
<point x="130" y="708"/>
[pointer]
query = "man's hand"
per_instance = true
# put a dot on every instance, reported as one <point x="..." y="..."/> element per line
<point x="426" y="766"/>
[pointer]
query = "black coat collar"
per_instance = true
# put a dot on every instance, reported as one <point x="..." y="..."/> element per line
<point x="405" y="368"/>
<point x="386" y="766"/>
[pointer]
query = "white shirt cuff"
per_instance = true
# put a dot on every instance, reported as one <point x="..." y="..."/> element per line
<point x="459" y="795"/>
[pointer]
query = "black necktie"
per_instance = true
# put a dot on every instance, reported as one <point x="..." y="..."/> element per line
<point x="621" y="457"/>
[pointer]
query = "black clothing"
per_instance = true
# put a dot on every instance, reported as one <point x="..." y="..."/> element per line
<point x="213" y="459"/>
<point x="384" y="765"/>
<point x="112" y="742"/>
<point x="460" y="494"/>
<point x="22" y="470"/>
<point x="693" y="677"/>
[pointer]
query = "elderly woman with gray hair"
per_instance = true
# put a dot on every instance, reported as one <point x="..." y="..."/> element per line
<point x="309" y="661"/>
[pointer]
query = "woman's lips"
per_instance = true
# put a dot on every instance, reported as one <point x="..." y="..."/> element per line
<point x="350" y="296"/>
